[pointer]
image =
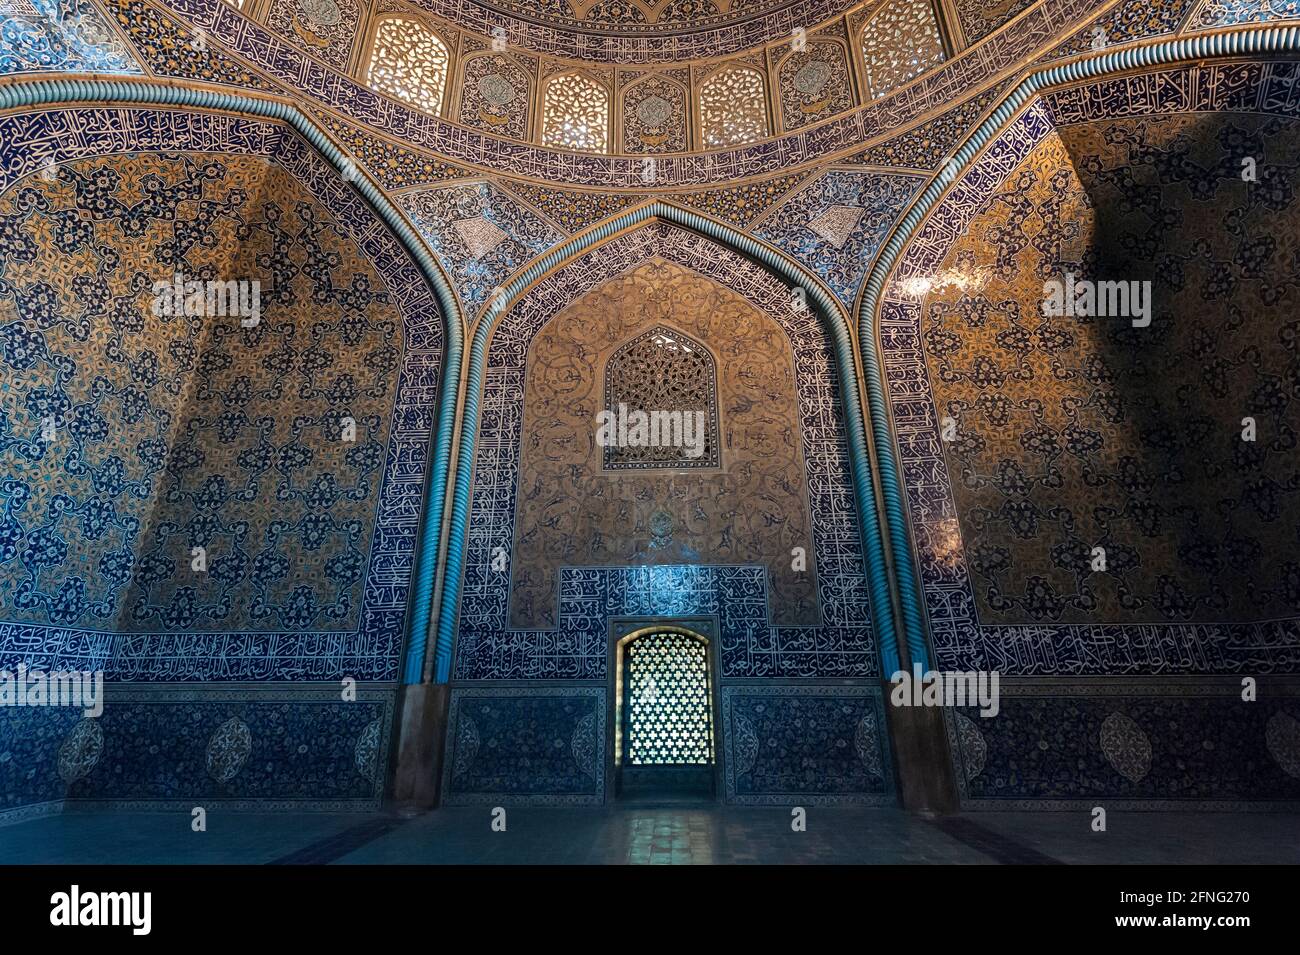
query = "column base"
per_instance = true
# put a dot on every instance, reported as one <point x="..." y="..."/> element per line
<point x="416" y="776"/>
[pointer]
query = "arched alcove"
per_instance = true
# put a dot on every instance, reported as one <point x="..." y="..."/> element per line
<point x="558" y="549"/>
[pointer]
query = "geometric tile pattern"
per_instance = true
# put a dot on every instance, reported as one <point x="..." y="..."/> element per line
<point x="961" y="642"/>
<point x="265" y="651"/>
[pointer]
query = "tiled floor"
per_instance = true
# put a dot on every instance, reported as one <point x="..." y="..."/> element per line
<point x="649" y="835"/>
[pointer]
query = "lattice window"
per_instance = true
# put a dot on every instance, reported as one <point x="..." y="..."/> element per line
<point x="900" y="41"/>
<point x="661" y="403"/>
<point x="409" y="61"/>
<point x="575" y="114"/>
<point x="733" y="108"/>
<point x="668" y="713"/>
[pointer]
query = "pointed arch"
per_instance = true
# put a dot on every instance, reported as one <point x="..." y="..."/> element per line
<point x="1103" y="63"/>
<point x="663" y="370"/>
<point x="496" y="94"/>
<point x="806" y="288"/>
<point x="813" y="82"/>
<point x="898" y="42"/>
<point x="46" y="92"/>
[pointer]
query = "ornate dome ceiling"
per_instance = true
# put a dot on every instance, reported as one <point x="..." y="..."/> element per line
<point x="637" y="31"/>
<point x="654" y="16"/>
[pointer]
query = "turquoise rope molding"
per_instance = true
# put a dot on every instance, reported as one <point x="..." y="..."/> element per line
<point x="1247" y="41"/>
<point x="143" y="93"/>
<point x="833" y="319"/>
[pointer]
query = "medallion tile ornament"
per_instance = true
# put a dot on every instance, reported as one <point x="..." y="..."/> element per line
<point x="1282" y="736"/>
<point x="1126" y="747"/>
<point x="366" y="756"/>
<point x="655" y="112"/>
<point x="585" y="744"/>
<point x="328" y="87"/>
<point x="228" y="750"/>
<point x="495" y="94"/>
<point x="837" y="223"/>
<point x="866" y="743"/>
<point x="81" y="751"/>
<point x="324" y="28"/>
<point x="814" y="84"/>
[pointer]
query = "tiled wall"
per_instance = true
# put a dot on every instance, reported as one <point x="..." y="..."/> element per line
<point x="1077" y="432"/>
<point x="177" y="432"/>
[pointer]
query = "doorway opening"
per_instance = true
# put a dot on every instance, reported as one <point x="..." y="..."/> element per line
<point x="664" y="728"/>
